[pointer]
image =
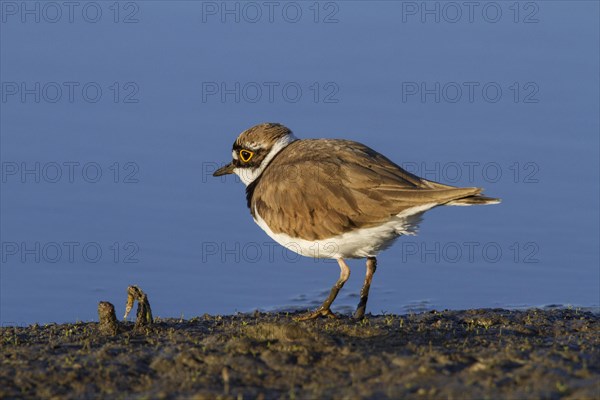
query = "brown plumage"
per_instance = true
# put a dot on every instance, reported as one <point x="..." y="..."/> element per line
<point x="327" y="187"/>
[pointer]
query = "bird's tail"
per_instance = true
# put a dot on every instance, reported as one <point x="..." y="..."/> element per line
<point x="470" y="196"/>
<point x="476" y="200"/>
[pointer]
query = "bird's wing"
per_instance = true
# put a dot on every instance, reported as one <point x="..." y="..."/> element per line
<point x="317" y="189"/>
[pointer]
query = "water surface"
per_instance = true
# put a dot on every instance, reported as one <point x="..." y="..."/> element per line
<point x="119" y="188"/>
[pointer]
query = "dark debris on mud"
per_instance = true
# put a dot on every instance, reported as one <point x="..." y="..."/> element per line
<point x="548" y="354"/>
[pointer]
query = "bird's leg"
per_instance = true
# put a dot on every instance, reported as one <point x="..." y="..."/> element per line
<point x="364" y="292"/>
<point x="324" y="310"/>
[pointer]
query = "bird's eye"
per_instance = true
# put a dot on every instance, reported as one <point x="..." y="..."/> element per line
<point x="246" y="155"/>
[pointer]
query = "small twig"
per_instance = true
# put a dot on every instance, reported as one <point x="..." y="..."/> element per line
<point x="144" y="312"/>
<point x="108" y="320"/>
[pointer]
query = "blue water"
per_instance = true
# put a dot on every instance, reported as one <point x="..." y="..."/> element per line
<point x="110" y="131"/>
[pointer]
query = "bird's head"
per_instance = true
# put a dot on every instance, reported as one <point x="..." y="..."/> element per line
<point x="254" y="149"/>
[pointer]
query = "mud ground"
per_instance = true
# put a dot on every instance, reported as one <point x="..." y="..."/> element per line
<point x="478" y="354"/>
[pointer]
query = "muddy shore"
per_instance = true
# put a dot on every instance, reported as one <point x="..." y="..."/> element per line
<point x="479" y="354"/>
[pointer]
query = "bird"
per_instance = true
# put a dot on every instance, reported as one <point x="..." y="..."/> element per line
<point x="334" y="198"/>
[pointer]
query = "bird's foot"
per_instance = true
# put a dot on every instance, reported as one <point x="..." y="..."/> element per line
<point x="359" y="314"/>
<point x="320" y="312"/>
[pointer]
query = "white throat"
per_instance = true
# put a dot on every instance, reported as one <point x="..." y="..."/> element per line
<point x="248" y="175"/>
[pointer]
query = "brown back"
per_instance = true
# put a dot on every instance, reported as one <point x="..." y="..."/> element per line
<point x="319" y="188"/>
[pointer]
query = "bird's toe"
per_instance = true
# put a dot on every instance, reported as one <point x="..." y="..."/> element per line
<point x="321" y="312"/>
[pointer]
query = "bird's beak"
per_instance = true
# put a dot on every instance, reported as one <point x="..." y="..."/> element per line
<point x="227" y="169"/>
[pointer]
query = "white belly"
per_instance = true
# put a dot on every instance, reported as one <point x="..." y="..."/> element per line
<point x="361" y="243"/>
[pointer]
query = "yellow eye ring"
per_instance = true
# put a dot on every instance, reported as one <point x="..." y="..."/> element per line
<point x="246" y="155"/>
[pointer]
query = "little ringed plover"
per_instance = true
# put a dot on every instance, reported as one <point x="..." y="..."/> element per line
<point x="332" y="198"/>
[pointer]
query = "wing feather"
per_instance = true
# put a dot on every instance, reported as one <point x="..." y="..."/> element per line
<point x="319" y="188"/>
